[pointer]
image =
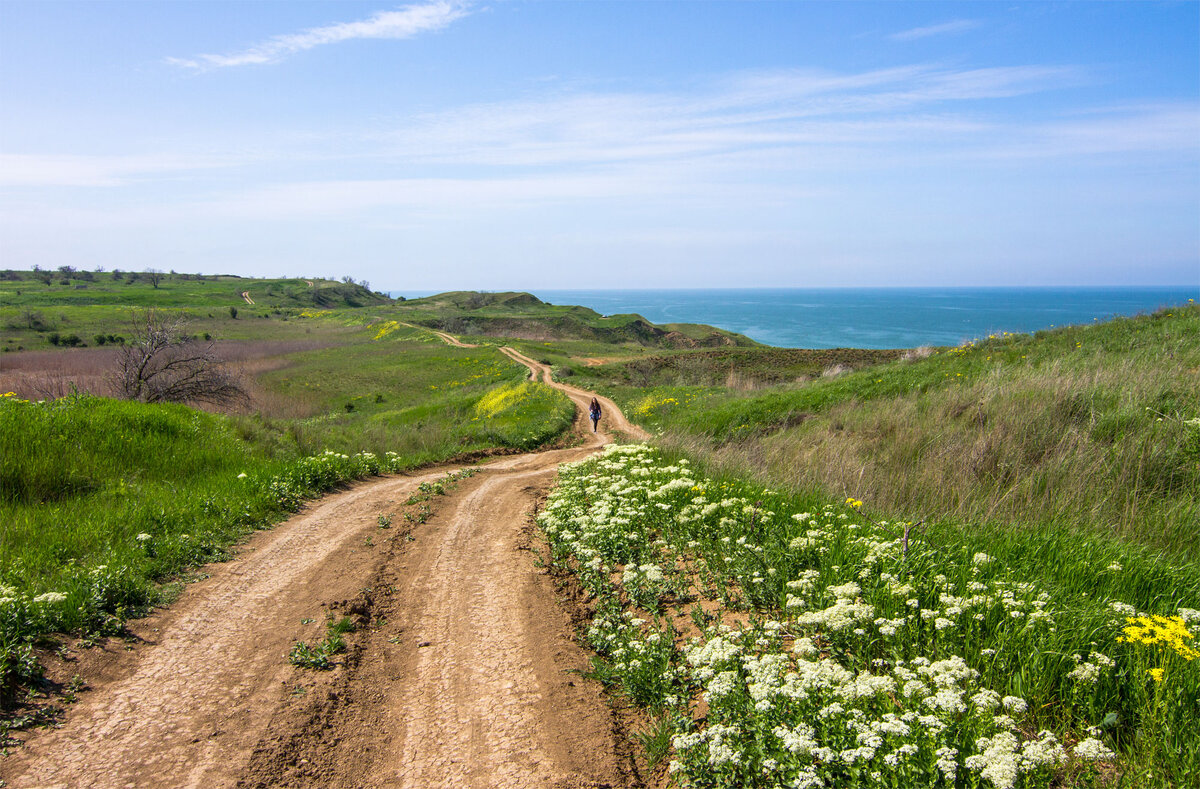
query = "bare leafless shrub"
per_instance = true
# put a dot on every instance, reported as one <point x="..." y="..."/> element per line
<point x="162" y="363"/>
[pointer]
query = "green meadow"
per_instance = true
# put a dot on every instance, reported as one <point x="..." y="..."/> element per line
<point x="780" y="639"/>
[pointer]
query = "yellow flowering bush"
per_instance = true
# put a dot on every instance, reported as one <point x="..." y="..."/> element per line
<point x="502" y="399"/>
<point x="1165" y="679"/>
<point x="1167" y="632"/>
<point x="386" y="328"/>
<point x="652" y="403"/>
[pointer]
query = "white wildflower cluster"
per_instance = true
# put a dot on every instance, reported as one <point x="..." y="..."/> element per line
<point x="645" y="583"/>
<point x="321" y="472"/>
<point x="1190" y="616"/>
<point x="825" y="718"/>
<point x="875" y="670"/>
<point x="1121" y="610"/>
<point x="1092" y="749"/>
<point x="1003" y="757"/>
<point x="1088" y="672"/>
<point x="847" y="610"/>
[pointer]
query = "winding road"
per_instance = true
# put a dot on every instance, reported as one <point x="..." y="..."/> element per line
<point x="463" y="673"/>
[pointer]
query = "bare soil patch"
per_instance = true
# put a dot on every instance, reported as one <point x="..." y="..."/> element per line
<point x="38" y="375"/>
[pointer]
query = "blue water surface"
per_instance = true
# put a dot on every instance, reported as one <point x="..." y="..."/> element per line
<point x="875" y="317"/>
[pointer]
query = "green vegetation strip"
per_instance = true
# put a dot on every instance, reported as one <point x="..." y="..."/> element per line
<point x="103" y="500"/>
<point x="784" y="641"/>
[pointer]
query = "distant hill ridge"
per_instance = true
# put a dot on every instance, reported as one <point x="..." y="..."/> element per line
<point x="68" y="286"/>
<point x="524" y="316"/>
<point x="509" y="314"/>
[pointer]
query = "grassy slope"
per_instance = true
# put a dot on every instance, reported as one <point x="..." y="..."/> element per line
<point x="520" y="315"/>
<point x="105" y="472"/>
<point x="735" y="368"/>
<point x="1080" y="427"/>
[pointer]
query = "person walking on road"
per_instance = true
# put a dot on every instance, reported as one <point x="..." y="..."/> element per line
<point x="594" y="413"/>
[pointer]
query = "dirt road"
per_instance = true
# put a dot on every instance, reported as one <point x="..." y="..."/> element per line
<point x="612" y="415"/>
<point x="450" y="339"/>
<point x="463" y="672"/>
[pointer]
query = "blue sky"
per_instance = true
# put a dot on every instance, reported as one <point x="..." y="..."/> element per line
<point x="512" y="144"/>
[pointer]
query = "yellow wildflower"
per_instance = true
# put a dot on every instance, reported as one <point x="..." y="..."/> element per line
<point x="1169" y="631"/>
<point x="386" y="328"/>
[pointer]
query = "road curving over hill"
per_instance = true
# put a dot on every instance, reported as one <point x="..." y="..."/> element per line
<point x="463" y="671"/>
<point x="581" y="397"/>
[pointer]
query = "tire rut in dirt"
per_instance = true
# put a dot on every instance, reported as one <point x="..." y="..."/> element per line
<point x="190" y="710"/>
<point x="475" y="680"/>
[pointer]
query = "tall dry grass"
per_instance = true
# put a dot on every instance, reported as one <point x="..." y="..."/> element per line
<point x="45" y="375"/>
<point x="1095" y="448"/>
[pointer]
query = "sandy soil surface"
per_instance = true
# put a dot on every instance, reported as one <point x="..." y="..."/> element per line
<point x="463" y="672"/>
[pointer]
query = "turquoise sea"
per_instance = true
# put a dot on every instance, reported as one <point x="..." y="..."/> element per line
<point x="874" y="317"/>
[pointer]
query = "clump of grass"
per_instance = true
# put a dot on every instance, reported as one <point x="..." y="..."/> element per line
<point x="318" y="656"/>
<point x="524" y="414"/>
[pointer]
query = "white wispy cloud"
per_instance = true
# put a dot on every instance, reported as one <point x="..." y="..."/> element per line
<point x="945" y="28"/>
<point x="759" y="129"/>
<point x="402" y="23"/>
<point x="83" y="170"/>
<point x="782" y="113"/>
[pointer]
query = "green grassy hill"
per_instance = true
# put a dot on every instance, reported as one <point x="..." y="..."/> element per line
<point x="523" y="316"/>
<point x="1090" y="427"/>
<point x="79" y="309"/>
<point x="155" y="289"/>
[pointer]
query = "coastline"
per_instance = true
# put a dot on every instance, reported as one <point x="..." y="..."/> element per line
<point x="873" y="318"/>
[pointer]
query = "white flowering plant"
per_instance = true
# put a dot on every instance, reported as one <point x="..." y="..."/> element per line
<point x="814" y="646"/>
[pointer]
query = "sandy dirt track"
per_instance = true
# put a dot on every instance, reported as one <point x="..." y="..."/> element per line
<point x="450" y="339"/>
<point x="464" y="672"/>
<point x="612" y="415"/>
